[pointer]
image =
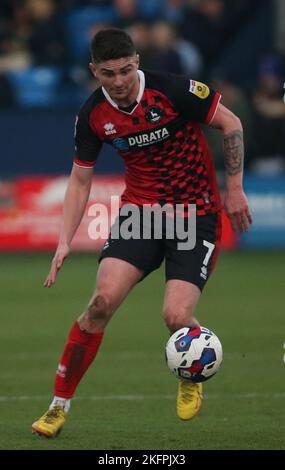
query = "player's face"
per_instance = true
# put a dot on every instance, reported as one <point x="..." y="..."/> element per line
<point x="119" y="78"/>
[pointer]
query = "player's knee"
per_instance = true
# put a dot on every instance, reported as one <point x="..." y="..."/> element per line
<point x="97" y="315"/>
<point x="176" y="318"/>
<point x="98" y="310"/>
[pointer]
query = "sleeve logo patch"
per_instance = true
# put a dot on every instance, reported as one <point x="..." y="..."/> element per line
<point x="199" y="89"/>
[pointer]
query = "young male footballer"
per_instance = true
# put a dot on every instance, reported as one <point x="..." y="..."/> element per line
<point x="153" y="120"/>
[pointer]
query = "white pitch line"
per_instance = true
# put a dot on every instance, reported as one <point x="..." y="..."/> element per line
<point x="27" y="356"/>
<point x="143" y="397"/>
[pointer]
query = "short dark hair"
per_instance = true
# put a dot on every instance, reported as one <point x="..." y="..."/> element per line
<point x="110" y="44"/>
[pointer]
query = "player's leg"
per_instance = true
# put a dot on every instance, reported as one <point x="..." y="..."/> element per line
<point x="180" y="301"/>
<point x="124" y="262"/>
<point x="115" y="279"/>
<point x="187" y="272"/>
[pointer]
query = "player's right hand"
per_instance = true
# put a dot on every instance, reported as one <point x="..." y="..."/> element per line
<point x="61" y="253"/>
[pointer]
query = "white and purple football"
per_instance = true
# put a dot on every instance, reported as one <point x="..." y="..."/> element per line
<point x="194" y="353"/>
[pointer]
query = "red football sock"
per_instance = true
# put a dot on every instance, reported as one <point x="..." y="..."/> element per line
<point x="79" y="352"/>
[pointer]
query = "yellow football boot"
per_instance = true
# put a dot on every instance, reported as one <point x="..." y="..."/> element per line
<point x="189" y="399"/>
<point x="51" y="423"/>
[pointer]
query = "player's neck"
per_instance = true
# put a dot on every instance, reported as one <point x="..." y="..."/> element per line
<point x="131" y="98"/>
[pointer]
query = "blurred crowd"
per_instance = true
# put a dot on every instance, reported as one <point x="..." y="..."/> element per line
<point x="44" y="55"/>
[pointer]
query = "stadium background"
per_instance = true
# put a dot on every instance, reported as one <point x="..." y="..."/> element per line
<point x="127" y="399"/>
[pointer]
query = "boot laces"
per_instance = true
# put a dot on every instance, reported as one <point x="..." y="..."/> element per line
<point x="187" y="391"/>
<point x="53" y="414"/>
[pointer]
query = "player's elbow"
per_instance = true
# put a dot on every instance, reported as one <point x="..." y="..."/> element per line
<point x="81" y="177"/>
<point x="236" y="122"/>
<point x="226" y="120"/>
<point x="231" y="123"/>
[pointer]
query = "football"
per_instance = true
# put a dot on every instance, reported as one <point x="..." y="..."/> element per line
<point x="194" y="353"/>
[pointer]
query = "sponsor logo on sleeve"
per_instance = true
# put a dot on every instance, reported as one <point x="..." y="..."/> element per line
<point x="199" y="89"/>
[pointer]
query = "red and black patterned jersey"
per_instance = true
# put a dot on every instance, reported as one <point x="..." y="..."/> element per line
<point x="167" y="159"/>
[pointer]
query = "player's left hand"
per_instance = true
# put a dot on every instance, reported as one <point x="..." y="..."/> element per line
<point x="237" y="209"/>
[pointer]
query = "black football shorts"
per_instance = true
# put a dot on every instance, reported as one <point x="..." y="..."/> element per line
<point x="191" y="265"/>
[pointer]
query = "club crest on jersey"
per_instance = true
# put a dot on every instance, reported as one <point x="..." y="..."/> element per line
<point x="199" y="89"/>
<point x="109" y="129"/>
<point x="154" y="114"/>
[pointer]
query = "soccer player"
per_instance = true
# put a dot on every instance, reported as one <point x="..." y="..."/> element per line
<point x="153" y="120"/>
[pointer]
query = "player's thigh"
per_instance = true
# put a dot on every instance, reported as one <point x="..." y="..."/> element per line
<point x="180" y="300"/>
<point x="123" y="263"/>
<point x="146" y="254"/>
<point x="195" y="265"/>
<point x="115" y="279"/>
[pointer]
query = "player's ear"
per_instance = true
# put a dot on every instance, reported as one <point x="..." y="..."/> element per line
<point x="137" y="60"/>
<point x="92" y="68"/>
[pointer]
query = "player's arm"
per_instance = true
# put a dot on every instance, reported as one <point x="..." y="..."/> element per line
<point x="75" y="200"/>
<point x="87" y="147"/>
<point x="76" y="197"/>
<point x="197" y="102"/>
<point x="235" y="201"/>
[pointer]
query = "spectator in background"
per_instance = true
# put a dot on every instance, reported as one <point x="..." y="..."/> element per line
<point x="269" y="112"/>
<point x="149" y="11"/>
<point x="191" y="59"/>
<point x="165" y="56"/>
<point x="14" y="54"/>
<point x="47" y="40"/>
<point x="141" y="35"/>
<point x="127" y="13"/>
<point x="173" y="54"/>
<point x="80" y="74"/>
<point x="15" y="28"/>
<point x="173" y="12"/>
<point x="207" y="24"/>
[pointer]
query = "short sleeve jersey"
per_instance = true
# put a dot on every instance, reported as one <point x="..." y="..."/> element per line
<point x="167" y="159"/>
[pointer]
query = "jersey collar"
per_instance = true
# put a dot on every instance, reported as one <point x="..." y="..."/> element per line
<point x="138" y="98"/>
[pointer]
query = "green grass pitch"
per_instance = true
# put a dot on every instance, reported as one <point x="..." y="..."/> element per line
<point x="127" y="398"/>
